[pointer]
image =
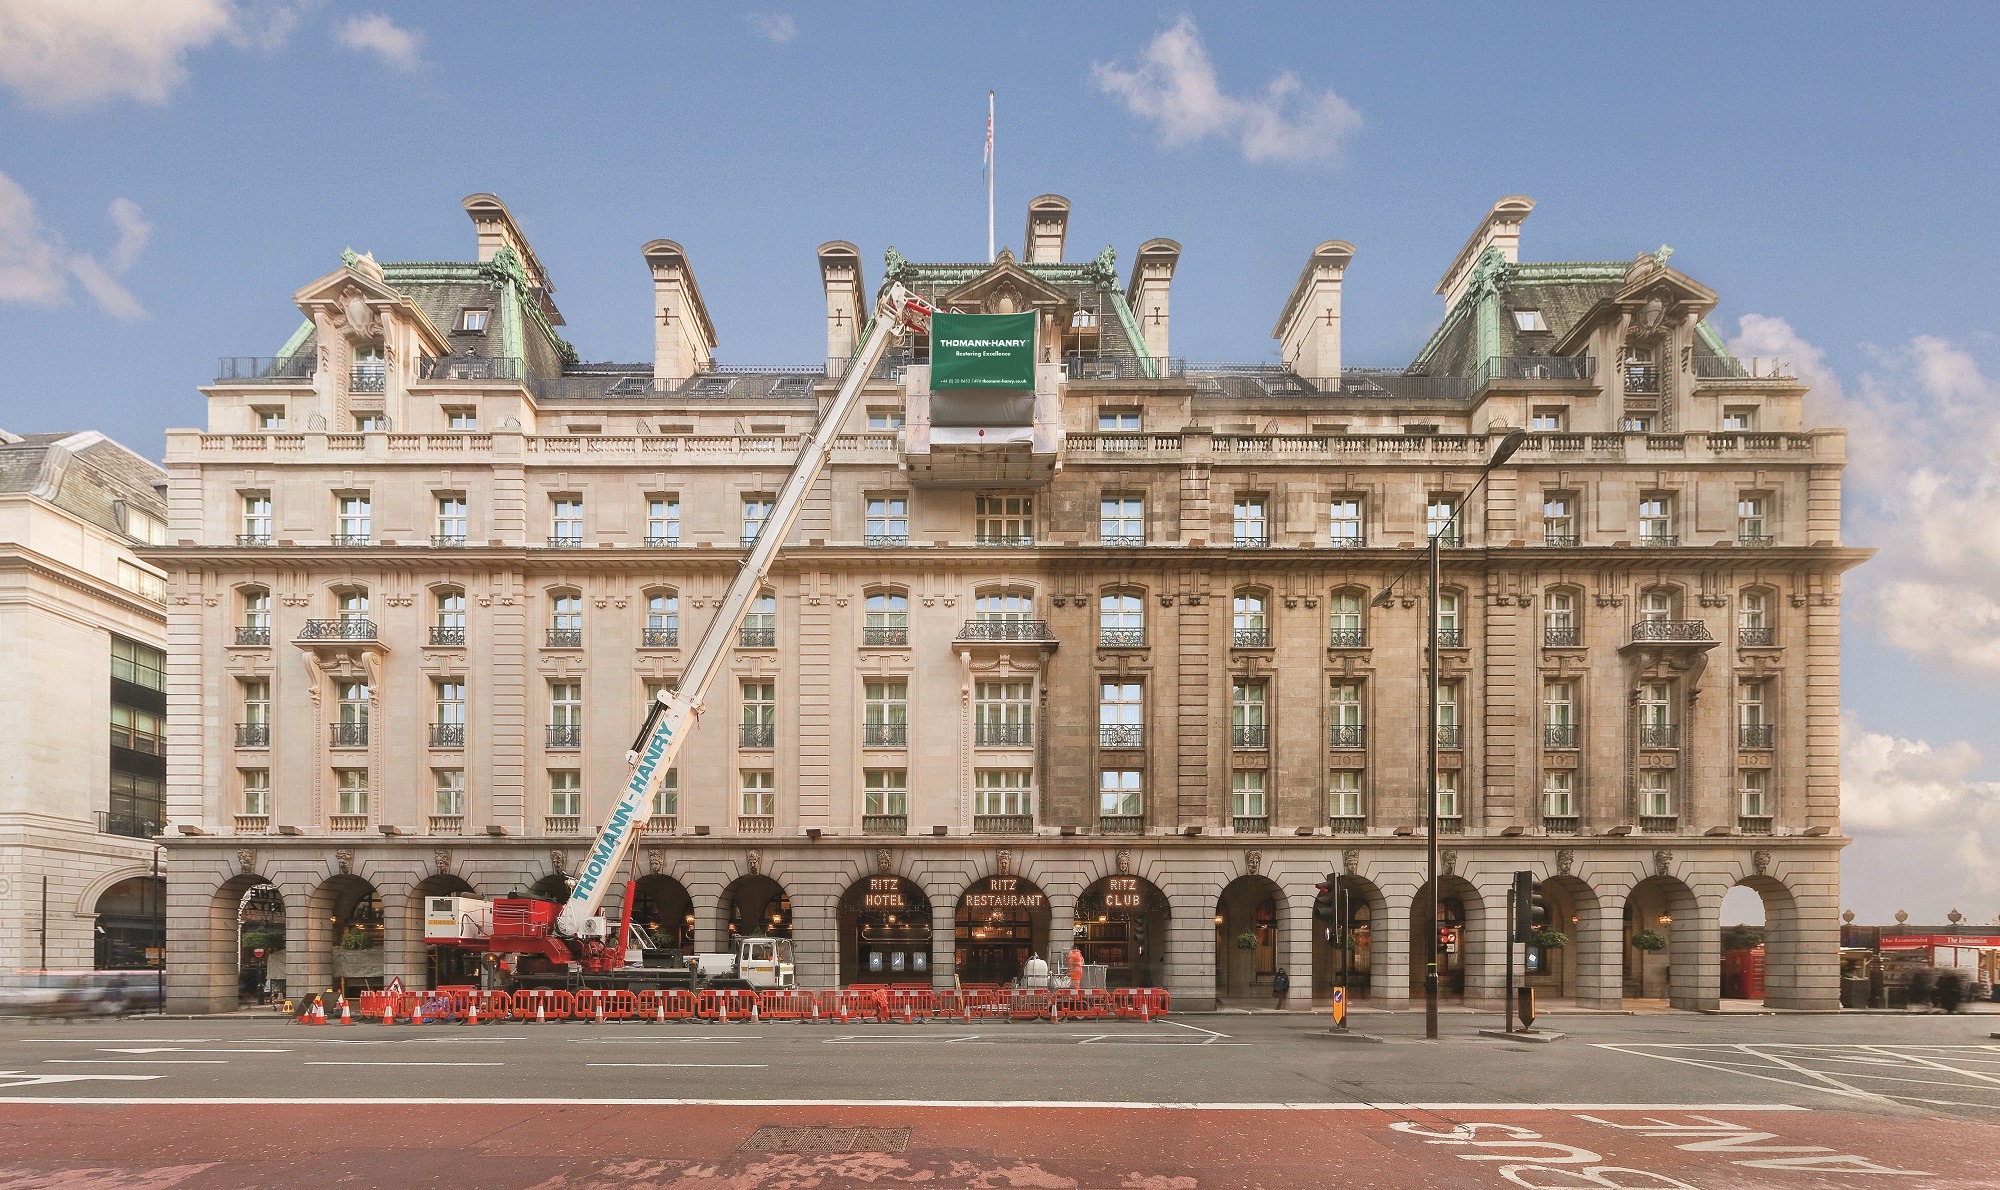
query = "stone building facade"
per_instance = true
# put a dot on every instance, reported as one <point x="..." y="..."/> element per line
<point x="82" y="774"/>
<point x="1116" y="678"/>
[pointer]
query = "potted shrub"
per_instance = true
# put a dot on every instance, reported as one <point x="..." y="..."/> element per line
<point x="1247" y="940"/>
<point x="1549" y="939"/>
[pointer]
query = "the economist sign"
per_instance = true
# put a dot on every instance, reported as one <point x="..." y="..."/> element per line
<point x="983" y="351"/>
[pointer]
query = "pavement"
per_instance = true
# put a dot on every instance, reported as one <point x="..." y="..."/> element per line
<point x="1231" y="1100"/>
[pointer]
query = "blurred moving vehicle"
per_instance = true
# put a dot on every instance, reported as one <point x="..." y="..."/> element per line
<point x="52" y="994"/>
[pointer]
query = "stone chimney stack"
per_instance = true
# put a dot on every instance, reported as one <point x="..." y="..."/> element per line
<point x="1308" y="332"/>
<point x="494" y="228"/>
<point x="683" y="337"/>
<point x="1048" y="227"/>
<point x="1500" y="229"/>
<point x="846" y="302"/>
<point x="1146" y="293"/>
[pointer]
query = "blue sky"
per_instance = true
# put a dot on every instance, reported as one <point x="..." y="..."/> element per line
<point x="170" y="171"/>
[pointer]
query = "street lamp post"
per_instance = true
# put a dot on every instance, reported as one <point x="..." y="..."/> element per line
<point x="1501" y="453"/>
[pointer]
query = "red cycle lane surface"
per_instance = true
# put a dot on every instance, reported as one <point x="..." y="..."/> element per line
<point x="165" y="1146"/>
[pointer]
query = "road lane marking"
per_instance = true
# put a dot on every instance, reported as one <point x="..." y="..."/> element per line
<point x="689" y="1065"/>
<point x="501" y="1101"/>
<point x="140" y="1061"/>
<point x="1196" y="1028"/>
<point x="116" y="1040"/>
<point x="181" y="1049"/>
<point x="392" y="1062"/>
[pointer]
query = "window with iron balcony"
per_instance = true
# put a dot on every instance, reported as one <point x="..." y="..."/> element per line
<point x="1247" y="809"/>
<point x="1247" y="715"/>
<point x="886" y="521"/>
<point x="886" y="619"/>
<point x="1347" y="629"/>
<point x="885" y="714"/>
<point x="760" y="625"/>
<point x="1559" y="520"/>
<point x="1252" y="625"/>
<point x="663" y="521"/>
<point x="1121" y="620"/>
<point x="1559" y="627"/>
<point x="663" y="621"/>
<point x="1003" y="714"/>
<point x="448" y="624"/>
<point x="1120" y="714"/>
<point x="1253" y="528"/>
<point x="1344" y="727"/>
<point x="885" y="802"/>
<point x="1121" y="802"/>
<point x="1345" y="524"/>
<point x="1122" y="521"/>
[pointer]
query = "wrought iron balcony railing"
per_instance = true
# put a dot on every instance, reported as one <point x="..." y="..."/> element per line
<point x="1119" y="540"/>
<point x="246" y="635"/>
<point x="1753" y="735"/>
<point x="564" y="541"/>
<point x="1003" y="735"/>
<point x="1560" y="540"/>
<point x="565" y="736"/>
<point x="659" y="638"/>
<point x="447" y="735"/>
<point x="1347" y="541"/>
<point x="447" y="541"/>
<point x="1559" y="735"/>
<point x="885" y="635"/>
<point x="663" y="543"/>
<point x="1755" y="540"/>
<point x="132" y="826"/>
<point x="1448" y="735"/>
<point x="1251" y="541"/>
<point x="1347" y="638"/>
<point x="1451" y="638"/>
<point x="351" y="541"/>
<point x="1003" y="824"/>
<point x="1121" y="735"/>
<point x="1561" y="638"/>
<point x="444" y="635"/>
<point x="885" y="824"/>
<point x="1670" y="632"/>
<point x="1756" y="638"/>
<point x="565" y="638"/>
<point x="265" y="369"/>
<point x="456" y="367"/>
<point x="1642" y="379"/>
<point x="253" y="735"/>
<point x="1247" y="735"/>
<point x="885" y="735"/>
<point x="1253" y="638"/>
<point x="1659" y="735"/>
<point x="756" y="638"/>
<point x="344" y="628"/>
<point x="1121" y="638"/>
<point x="1005" y="629"/>
<point x="347" y="735"/>
<point x="1347" y="736"/>
<point x="1540" y="367"/>
<point x="885" y="541"/>
<point x="367" y="380"/>
<point x="258" y="540"/>
<point x="1003" y="539"/>
<point x="1659" y="541"/>
<point x="758" y="735"/>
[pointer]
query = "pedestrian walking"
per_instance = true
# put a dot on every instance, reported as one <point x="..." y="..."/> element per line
<point x="1281" y="983"/>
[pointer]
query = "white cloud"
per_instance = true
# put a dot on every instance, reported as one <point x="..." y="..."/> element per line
<point x="35" y="266"/>
<point x="73" y="53"/>
<point x="774" y="27"/>
<point x="1924" y="427"/>
<point x="1175" y="86"/>
<point x="1917" y="802"/>
<point x="373" y="33"/>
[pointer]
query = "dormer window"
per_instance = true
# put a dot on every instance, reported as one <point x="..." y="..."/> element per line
<point x="473" y="321"/>
<point x="1529" y="320"/>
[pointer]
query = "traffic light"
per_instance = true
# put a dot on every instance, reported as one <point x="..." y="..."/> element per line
<point x="1325" y="908"/>
<point x="1524" y="907"/>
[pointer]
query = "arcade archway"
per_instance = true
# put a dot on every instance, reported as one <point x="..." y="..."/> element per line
<point x="1121" y="925"/>
<point x="260" y="944"/>
<point x="1345" y="957"/>
<point x="885" y="932"/>
<point x="130" y="930"/>
<point x="443" y="965"/>
<point x="756" y="906"/>
<point x="662" y="905"/>
<point x="349" y="910"/>
<point x="1247" y="917"/>
<point x="1002" y="922"/>
<point x="1458" y="905"/>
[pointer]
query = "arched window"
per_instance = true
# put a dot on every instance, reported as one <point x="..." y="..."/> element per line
<point x="760" y="626"/>
<point x="565" y="619"/>
<point x="449" y="626"/>
<point x="1253" y="628"/>
<point x="1451" y="631"/>
<point x="663" y="620"/>
<point x="1656" y="606"/>
<point x="1004" y="604"/>
<point x="1753" y="619"/>
<point x="1346" y="629"/>
<point x="1559" y="625"/>
<point x="352" y="603"/>
<point x="1121" y="619"/>
<point x="886" y="618"/>
<point x="255" y="628"/>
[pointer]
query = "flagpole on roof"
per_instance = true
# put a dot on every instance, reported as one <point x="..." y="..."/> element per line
<point x="989" y="177"/>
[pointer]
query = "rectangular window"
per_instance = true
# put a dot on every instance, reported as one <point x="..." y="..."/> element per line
<point x="448" y="793"/>
<point x="1529" y="320"/>
<point x="1003" y="520"/>
<point x="884" y="418"/>
<point x="663" y="520"/>
<point x="257" y="703"/>
<point x="885" y="792"/>
<point x="566" y="520"/>
<point x="1752" y="526"/>
<point x="448" y="696"/>
<point x="1556" y="795"/>
<point x="667" y="798"/>
<point x="1656" y="520"/>
<point x="141" y="665"/>
<point x="1003" y="714"/>
<point x="760" y="624"/>
<point x="350" y="792"/>
<point x="1741" y="418"/>
<point x="136" y="730"/>
<point x="1246" y="793"/>
<point x="1343" y="713"/>
<point x="473" y="321"/>
<point x="1121" y="715"/>
<point x="1121" y="520"/>
<point x="565" y="793"/>
<point x="1448" y="720"/>
<point x="268" y="417"/>
<point x="451" y="518"/>
<point x="461" y="417"/>
<point x="1440" y="522"/>
<point x="1753" y="722"/>
<point x="1246" y="715"/>
<point x="1343" y="794"/>
<point x="1345" y="513"/>
<point x="887" y="520"/>
<point x="997" y="792"/>
<point x="256" y="518"/>
<point x="1656" y="793"/>
<point x="1558" y="519"/>
<point x="257" y="792"/>
<point x="756" y="510"/>
<point x="1559" y="715"/>
<point x="1752" y="795"/>
<point x="369" y="422"/>
<point x="1252" y="526"/>
<point x="760" y="714"/>
<point x="1447" y="805"/>
<point x="1120" y="793"/>
<point x="1656" y="706"/>
<point x="1118" y="421"/>
<point x="355" y="522"/>
<point x="759" y="794"/>
<point x="885" y="714"/>
<point x="1549" y="419"/>
<point x="566" y="704"/>
<point x="352" y="707"/>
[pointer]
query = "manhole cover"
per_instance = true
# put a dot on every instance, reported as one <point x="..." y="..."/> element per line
<point x="782" y="1138"/>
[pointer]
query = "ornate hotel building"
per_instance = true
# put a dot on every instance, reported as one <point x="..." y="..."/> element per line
<point x="1114" y="675"/>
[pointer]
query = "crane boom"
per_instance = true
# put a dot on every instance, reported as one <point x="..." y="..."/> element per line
<point x="659" y="740"/>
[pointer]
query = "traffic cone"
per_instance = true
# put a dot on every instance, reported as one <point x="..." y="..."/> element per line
<point x="389" y="1009"/>
<point x="541" y="1017"/>
<point x="597" y="1003"/>
<point x="815" y="1010"/>
<point x="660" y="1012"/>
<point x="472" y="1012"/>
<point x="417" y="1011"/>
<point x="754" y="1017"/>
<point x="346" y="1018"/>
<point x="723" y="1004"/>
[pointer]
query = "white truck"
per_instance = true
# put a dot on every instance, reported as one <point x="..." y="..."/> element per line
<point x="525" y="940"/>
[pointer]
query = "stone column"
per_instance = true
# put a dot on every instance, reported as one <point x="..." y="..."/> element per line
<point x="201" y="948"/>
<point x="1295" y="945"/>
<point x="711" y="929"/>
<point x="1695" y="980"/>
<point x="1597" y="953"/>
<point x="1062" y="932"/>
<point x="944" y="941"/>
<point x="1190" y="958"/>
<point x="1802" y="946"/>
<point x="1389" y="956"/>
<point x="1483" y="947"/>
<point x="403" y="940"/>
<point x="816" y="938"/>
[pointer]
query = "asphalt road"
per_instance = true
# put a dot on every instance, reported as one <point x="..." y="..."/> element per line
<point x="1197" y="1101"/>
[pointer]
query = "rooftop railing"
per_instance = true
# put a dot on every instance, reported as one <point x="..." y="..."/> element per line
<point x="1540" y="367"/>
<point x="470" y="368"/>
<point x="1717" y="367"/>
<point x="264" y="369"/>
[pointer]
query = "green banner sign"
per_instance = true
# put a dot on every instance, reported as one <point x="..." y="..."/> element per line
<point x="983" y="351"/>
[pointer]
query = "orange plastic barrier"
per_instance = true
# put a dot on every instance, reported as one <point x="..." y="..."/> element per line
<point x="732" y="1005"/>
<point x="904" y="1005"/>
<point x="493" y="1006"/>
<point x="1029" y="1005"/>
<point x="787" y="1004"/>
